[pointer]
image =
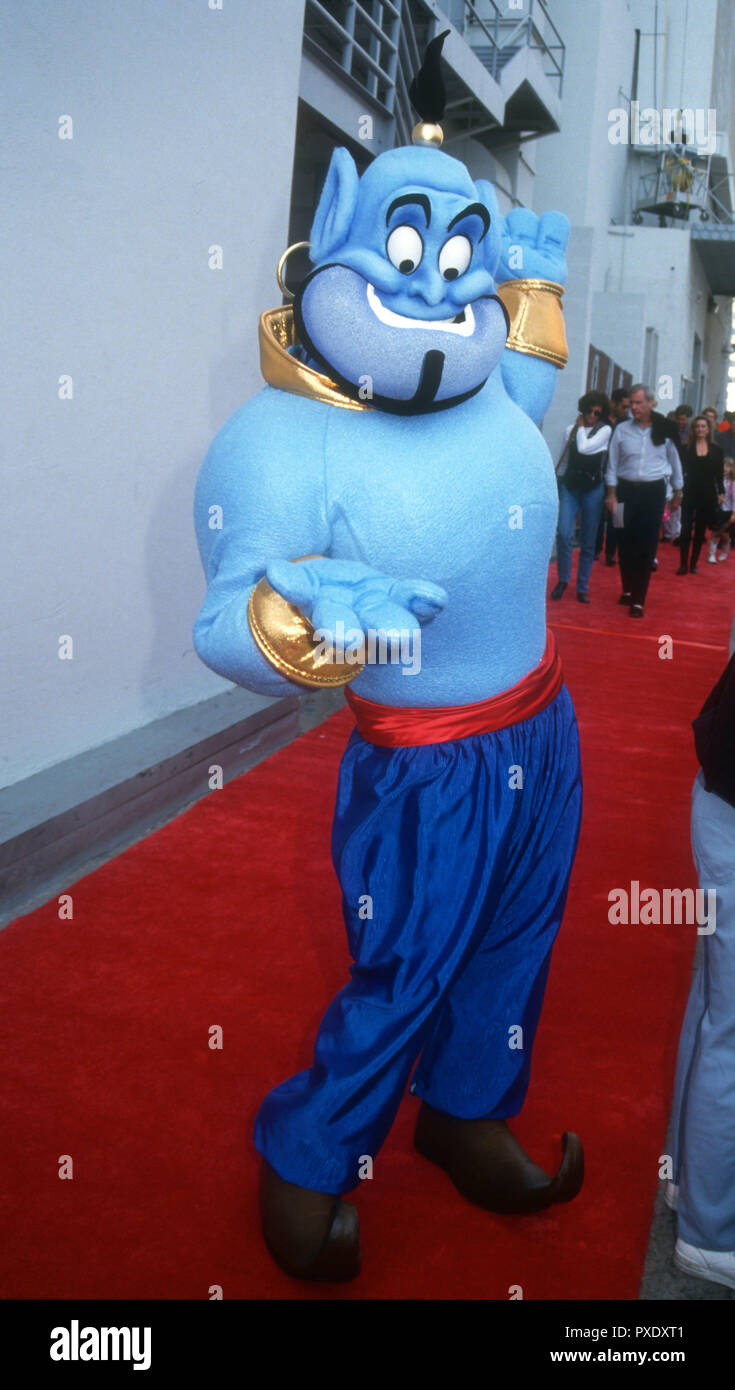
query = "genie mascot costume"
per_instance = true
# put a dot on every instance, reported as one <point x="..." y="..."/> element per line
<point x="390" y="483"/>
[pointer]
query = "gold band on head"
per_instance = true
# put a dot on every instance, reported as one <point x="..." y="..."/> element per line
<point x="536" y="319"/>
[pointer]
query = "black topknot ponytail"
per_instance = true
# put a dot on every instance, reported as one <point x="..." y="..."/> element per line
<point x="427" y="92"/>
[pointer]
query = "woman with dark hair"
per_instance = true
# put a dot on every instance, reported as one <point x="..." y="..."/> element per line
<point x="704" y="491"/>
<point x="581" y="490"/>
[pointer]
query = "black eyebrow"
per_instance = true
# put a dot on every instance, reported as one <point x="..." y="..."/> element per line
<point x="479" y="210"/>
<point x="405" y="198"/>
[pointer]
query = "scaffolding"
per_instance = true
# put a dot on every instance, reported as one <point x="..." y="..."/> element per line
<point x="678" y="187"/>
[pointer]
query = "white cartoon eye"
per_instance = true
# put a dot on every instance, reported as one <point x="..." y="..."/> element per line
<point x="405" y="249"/>
<point x="455" y="256"/>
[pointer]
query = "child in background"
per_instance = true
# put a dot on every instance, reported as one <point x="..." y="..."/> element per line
<point x="725" y="530"/>
<point x="671" y="520"/>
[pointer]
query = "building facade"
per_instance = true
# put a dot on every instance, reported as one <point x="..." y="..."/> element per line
<point x="644" y="159"/>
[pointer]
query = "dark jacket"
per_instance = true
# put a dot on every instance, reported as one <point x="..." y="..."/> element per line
<point x="584" y="471"/>
<point x="714" y="736"/>
<point x="662" y="429"/>
<point x="704" y="480"/>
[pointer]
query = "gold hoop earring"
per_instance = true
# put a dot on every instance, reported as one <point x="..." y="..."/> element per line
<point x="283" y="287"/>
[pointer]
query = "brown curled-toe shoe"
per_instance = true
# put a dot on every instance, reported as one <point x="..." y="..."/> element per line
<point x="311" y="1235"/>
<point x="488" y="1166"/>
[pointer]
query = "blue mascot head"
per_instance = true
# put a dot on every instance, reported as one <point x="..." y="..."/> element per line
<point x="401" y="304"/>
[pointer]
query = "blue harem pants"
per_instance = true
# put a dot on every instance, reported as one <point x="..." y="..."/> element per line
<point x="454" y="862"/>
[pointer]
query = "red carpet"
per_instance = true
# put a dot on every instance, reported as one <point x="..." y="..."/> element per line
<point x="230" y="916"/>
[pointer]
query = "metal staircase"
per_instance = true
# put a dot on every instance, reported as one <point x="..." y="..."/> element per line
<point x="377" y="46"/>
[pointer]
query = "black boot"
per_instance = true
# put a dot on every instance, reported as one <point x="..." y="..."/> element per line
<point x="311" y="1235"/>
<point x="558" y="590"/>
<point x="488" y="1166"/>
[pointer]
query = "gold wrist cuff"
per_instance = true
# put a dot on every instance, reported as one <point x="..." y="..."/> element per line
<point x="536" y="319"/>
<point x="286" y="639"/>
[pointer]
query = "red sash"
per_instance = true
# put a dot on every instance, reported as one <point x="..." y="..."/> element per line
<point x="394" y="726"/>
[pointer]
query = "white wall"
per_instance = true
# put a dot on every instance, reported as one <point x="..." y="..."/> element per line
<point x="578" y="320"/>
<point x="716" y="350"/>
<point x="662" y="267"/>
<point x="623" y="279"/>
<point x="619" y="321"/>
<point x="683" y="70"/>
<point x="183" y="127"/>
<point x="583" y="174"/>
<point x="579" y="169"/>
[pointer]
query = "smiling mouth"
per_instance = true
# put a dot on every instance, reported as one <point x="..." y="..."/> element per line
<point x="462" y="323"/>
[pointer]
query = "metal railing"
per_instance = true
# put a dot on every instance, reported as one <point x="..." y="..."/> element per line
<point x="496" y="36"/>
<point x="362" y="37"/>
<point x="678" y="186"/>
<point x="418" y="27"/>
<point x="379" y="44"/>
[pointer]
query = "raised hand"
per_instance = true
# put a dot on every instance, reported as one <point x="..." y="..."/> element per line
<point x="533" y="247"/>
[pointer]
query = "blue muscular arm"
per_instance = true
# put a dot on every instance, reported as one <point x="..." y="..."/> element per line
<point x="259" y="498"/>
<point x="532" y="248"/>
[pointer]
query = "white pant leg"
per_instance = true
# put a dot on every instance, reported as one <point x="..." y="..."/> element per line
<point x="706" y="1068"/>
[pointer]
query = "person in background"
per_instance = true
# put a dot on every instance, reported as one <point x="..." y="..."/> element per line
<point x="726" y="435"/>
<point x="671" y="526"/>
<point x="619" y="405"/>
<point x="606" y="532"/>
<point x="710" y="414"/>
<point x="581" y="490"/>
<point x="702" y="1191"/>
<point x="704" y="492"/>
<point x="725" y="531"/>
<point x="682" y="416"/>
<point x="642" y="453"/>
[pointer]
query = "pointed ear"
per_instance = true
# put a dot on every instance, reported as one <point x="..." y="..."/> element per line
<point x="493" y="237"/>
<point x="336" y="206"/>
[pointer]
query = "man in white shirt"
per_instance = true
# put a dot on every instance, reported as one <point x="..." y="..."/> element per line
<point x="642" y="455"/>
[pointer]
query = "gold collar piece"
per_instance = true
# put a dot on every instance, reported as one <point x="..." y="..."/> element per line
<point x="276" y="334"/>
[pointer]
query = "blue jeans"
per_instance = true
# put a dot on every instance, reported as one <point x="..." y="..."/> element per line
<point x="704" y="1095"/>
<point x="589" y="504"/>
